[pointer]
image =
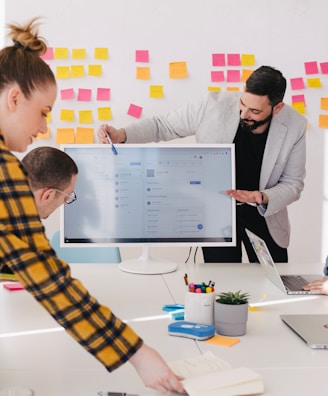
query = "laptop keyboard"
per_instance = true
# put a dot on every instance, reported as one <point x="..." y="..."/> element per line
<point x="294" y="282"/>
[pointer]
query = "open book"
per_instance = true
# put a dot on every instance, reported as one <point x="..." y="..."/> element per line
<point x="207" y="375"/>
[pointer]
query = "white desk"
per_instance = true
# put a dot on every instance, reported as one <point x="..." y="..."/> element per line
<point x="54" y="365"/>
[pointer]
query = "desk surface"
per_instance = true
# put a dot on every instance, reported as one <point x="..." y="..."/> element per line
<point x="53" y="364"/>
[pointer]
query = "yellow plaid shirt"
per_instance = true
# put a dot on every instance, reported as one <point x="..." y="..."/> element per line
<point x="26" y="250"/>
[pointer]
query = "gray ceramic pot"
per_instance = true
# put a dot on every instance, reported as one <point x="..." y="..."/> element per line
<point x="230" y="320"/>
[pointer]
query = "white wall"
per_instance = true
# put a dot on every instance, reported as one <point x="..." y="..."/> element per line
<point x="281" y="33"/>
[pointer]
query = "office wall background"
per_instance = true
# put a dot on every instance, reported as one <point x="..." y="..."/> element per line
<point x="284" y="34"/>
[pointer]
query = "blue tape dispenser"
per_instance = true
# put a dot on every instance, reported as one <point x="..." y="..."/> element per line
<point x="192" y="330"/>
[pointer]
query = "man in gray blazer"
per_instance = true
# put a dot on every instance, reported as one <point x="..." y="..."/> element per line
<point x="269" y="138"/>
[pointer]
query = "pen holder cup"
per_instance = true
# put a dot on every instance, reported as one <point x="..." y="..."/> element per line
<point x="199" y="308"/>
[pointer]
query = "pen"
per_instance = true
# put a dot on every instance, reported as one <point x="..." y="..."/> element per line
<point x="111" y="143"/>
<point x="186" y="279"/>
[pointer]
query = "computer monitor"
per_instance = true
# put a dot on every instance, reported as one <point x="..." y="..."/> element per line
<point x="151" y="195"/>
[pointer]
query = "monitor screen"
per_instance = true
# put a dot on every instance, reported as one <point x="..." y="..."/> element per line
<point x="151" y="194"/>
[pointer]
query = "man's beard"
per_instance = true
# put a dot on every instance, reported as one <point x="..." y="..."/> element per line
<point x="255" y="124"/>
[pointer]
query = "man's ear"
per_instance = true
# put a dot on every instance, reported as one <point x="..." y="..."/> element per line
<point x="14" y="95"/>
<point x="278" y="107"/>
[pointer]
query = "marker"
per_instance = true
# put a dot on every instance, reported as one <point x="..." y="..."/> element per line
<point x="111" y="143"/>
<point x="186" y="279"/>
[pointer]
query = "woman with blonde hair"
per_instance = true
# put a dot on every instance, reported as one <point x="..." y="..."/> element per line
<point x="27" y="93"/>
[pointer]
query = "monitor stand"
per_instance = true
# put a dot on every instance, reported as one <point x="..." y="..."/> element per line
<point x="145" y="265"/>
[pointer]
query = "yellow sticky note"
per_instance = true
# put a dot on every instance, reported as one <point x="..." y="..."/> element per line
<point x="247" y="60"/>
<point x="178" y="70"/>
<point x="214" y="89"/>
<point x="323" y="121"/>
<point x="44" y="135"/>
<point x="324" y="103"/>
<point x="48" y="118"/>
<point x="79" y="53"/>
<point x="101" y="53"/>
<point x="222" y="341"/>
<point x="85" y="116"/>
<point x="77" y="71"/>
<point x="245" y="73"/>
<point x="314" y="82"/>
<point x="67" y="115"/>
<point x="62" y="72"/>
<point x="104" y="113"/>
<point x="65" y="136"/>
<point x="84" y="135"/>
<point x="156" y="91"/>
<point x="299" y="106"/>
<point x="60" y="53"/>
<point x="142" y="73"/>
<point x="95" y="70"/>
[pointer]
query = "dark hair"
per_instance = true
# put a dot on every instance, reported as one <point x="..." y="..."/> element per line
<point x="21" y="62"/>
<point x="267" y="81"/>
<point x="49" y="167"/>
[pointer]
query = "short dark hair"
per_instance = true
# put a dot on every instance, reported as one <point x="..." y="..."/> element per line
<point x="49" y="167"/>
<point x="267" y="81"/>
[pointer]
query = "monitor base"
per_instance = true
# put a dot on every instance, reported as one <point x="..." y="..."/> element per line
<point x="145" y="265"/>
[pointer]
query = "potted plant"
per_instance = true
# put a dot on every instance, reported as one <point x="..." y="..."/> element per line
<point x="231" y="313"/>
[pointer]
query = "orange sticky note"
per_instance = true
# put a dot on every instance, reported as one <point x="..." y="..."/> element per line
<point x="245" y="73"/>
<point x="323" y="121"/>
<point x="324" y="103"/>
<point x="178" y="69"/>
<point x="222" y="341"/>
<point x="84" y="135"/>
<point x="142" y="73"/>
<point x="65" y="136"/>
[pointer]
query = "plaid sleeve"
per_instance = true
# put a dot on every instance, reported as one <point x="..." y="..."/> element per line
<point x="26" y="250"/>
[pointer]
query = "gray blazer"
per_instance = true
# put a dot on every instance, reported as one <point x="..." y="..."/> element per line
<point x="215" y="119"/>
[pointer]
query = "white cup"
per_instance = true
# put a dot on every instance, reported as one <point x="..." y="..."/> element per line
<point x="16" y="391"/>
<point x="199" y="308"/>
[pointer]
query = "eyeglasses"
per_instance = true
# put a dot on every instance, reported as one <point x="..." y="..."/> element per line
<point x="70" y="198"/>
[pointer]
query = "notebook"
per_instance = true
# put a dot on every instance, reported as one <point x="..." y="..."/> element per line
<point x="290" y="284"/>
<point x="312" y="328"/>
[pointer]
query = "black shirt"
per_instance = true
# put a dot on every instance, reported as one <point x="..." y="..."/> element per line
<point x="249" y="149"/>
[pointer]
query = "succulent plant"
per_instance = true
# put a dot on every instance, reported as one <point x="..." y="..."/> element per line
<point x="233" y="298"/>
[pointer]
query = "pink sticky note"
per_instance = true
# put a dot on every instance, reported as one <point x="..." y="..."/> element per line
<point x="13" y="286"/>
<point x="103" y="93"/>
<point x="233" y="76"/>
<point x="84" y="95"/>
<point x="297" y="83"/>
<point x="311" y="67"/>
<point x="324" y="67"/>
<point x="234" y="60"/>
<point x="142" y="56"/>
<point x="298" y="98"/>
<point x="66" y="94"/>
<point x="48" y="55"/>
<point x="218" y="60"/>
<point x="217" y="76"/>
<point x="135" y="111"/>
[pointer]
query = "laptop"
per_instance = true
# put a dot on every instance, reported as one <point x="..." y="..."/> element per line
<point x="290" y="284"/>
<point x="312" y="328"/>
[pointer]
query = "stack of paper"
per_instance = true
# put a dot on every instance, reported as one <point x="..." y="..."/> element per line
<point x="208" y="375"/>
